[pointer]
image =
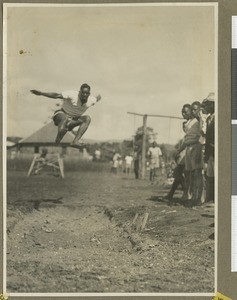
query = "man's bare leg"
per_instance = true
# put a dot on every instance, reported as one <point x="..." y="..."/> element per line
<point x="84" y="123"/>
<point x="62" y="128"/>
<point x="197" y="186"/>
<point x="187" y="183"/>
<point x="65" y="124"/>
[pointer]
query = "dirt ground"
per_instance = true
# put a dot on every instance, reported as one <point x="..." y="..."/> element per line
<point x="83" y="234"/>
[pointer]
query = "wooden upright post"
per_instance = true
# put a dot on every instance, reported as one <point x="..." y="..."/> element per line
<point x="61" y="166"/>
<point x="143" y="163"/>
<point x="143" y="160"/>
<point x="32" y="164"/>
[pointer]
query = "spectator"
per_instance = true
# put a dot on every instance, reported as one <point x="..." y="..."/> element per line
<point x="201" y="117"/>
<point x="97" y="155"/>
<point x="197" y="111"/>
<point x="115" y="162"/>
<point x="193" y="156"/>
<point x="162" y="168"/>
<point x="170" y="173"/>
<point x="154" y="154"/>
<point x="136" y="161"/>
<point x="209" y="155"/>
<point x="128" y="163"/>
<point x="13" y="154"/>
<point x="178" y="175"/>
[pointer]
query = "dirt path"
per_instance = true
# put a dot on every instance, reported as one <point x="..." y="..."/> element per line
<point x="79" y="235"/>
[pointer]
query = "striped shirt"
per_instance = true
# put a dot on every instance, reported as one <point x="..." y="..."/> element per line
<point x="72" y="103"/>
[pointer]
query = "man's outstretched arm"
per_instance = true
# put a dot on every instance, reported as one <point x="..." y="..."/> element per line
<point x="49" y="95"/>
<point x="92" y="100"/>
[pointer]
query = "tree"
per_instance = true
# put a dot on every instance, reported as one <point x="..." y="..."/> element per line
<point x="127" y="147"/>
<point x="138" y="137"/>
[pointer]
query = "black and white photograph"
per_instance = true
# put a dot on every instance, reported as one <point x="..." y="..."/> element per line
<point x="110" y="152"/>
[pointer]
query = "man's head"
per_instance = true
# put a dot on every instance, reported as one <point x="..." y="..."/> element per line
<point x="208" y="104"/>
<point x="209" y="107"/>
<point x="187" y="111"/>
<point x="154" y="144"/>
<point x="196" y="107"/>
<point x="84" y="92"/>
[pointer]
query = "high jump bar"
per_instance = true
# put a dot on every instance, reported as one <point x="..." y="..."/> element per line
<point x="160" y="116"/>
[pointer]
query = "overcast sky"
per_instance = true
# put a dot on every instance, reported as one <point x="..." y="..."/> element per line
<point x="143" y="59"/>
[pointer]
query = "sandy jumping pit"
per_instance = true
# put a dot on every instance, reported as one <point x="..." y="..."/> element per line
<point x="66" y="237"/>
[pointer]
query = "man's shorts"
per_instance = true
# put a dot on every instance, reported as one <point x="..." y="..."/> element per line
<point x="193" y="157"/>
<point x="57" y="116"/>
<point x="154" y="163"/>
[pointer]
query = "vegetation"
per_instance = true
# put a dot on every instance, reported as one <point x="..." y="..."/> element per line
<point x="75" y="163"/>
<point x="70" y="164"/>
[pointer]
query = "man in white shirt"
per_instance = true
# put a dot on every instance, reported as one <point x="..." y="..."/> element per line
<point x="128" y="163"/>
<point x="71" y="113"/>
<point x="197" y="111"/>
<point x="97" y="154"/>
<point x="116" y="159"/>
<point x="154" y="153"/>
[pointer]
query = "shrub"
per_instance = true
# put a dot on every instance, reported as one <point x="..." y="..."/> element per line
<point x="70" y="164"/>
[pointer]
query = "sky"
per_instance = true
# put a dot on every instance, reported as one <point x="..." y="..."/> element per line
<point x="147" y="59"/>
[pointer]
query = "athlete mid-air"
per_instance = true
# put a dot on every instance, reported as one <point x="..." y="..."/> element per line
<point x="74" y="105"/>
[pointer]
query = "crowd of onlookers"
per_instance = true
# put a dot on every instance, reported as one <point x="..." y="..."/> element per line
<point x="194" y="169"/>
<point x="193" y="166"/>
<point x="123" y="164"/>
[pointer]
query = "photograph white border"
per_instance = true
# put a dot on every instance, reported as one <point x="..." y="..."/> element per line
<point x="10" y="5"/>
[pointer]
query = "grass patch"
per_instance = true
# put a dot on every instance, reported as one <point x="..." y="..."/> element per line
<point x="70" y="165"/>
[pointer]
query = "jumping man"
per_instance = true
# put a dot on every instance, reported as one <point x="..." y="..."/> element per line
<point x="71" y="113"/>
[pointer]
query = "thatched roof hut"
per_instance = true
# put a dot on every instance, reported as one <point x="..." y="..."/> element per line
<point x="45" y="138"/>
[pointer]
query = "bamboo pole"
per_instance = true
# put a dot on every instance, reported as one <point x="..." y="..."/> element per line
<point x="143" y="160"/>
<point x="143" y="173"/>
<point x="154" y="115"/>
